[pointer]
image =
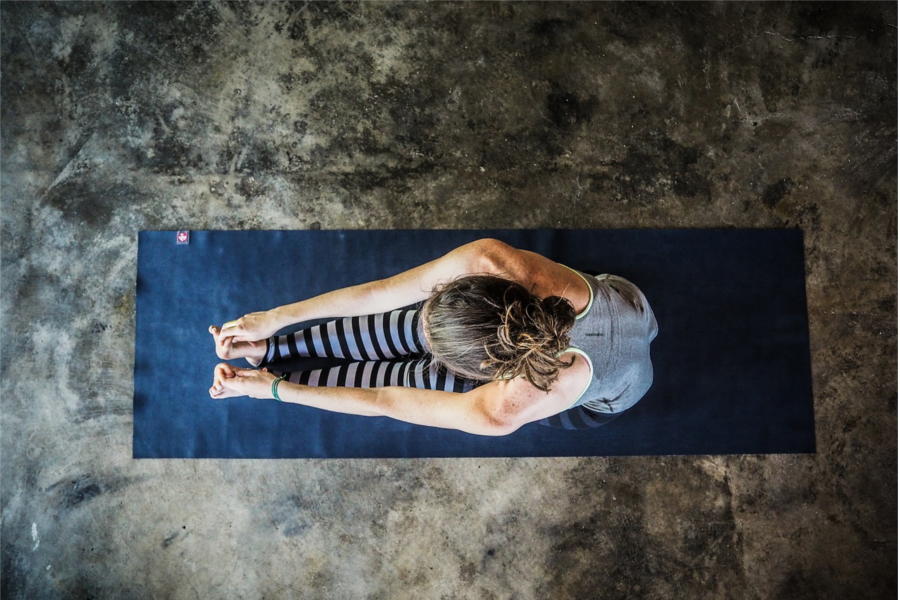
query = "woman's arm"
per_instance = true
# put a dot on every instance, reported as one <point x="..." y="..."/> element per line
<point x="382" y="295"/>
<point x="471" y="412"/>
<point x="464" y="411"/>
<point x="497" y="407"/>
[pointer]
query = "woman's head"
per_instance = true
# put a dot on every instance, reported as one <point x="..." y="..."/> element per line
<point x="485" y="327"/>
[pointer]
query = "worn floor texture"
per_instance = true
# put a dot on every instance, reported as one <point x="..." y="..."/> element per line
<point x="118" y="117"/>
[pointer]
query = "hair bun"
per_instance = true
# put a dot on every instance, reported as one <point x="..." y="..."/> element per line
<point x="531" y="334"/>
<point x="559" y="307"/>
<point x="487" y="327"/>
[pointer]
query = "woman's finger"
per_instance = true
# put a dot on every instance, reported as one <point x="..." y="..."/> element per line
<point x="225" y="370"/>
<point x="221" y="380"/>
<point x="218" y="378"/>
<point x="219" y="393"/>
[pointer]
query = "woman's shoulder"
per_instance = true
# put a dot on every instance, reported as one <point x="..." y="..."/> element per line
<point x="570" y="385"/>
<point x="575" y="380"/>
<point x="518" y="396"/>
<point x="543" y="276"/>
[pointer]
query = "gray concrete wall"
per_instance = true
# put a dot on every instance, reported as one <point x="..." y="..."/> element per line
<point x="118" y="117"/>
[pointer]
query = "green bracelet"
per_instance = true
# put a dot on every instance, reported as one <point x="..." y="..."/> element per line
<point x="275" y="383"/>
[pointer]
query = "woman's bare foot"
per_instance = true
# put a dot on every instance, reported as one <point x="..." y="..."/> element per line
<point x="254" y="352"/>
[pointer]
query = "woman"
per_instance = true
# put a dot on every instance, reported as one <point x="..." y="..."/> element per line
<point x="493" y="337"/>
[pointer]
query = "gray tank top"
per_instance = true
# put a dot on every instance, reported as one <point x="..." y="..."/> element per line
<point x="614" y="333"/>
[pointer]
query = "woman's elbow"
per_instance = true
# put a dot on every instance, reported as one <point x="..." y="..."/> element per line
<point x="479" y="421"/>
<point x="487" y="255"/>
<point x="500" y="425"/>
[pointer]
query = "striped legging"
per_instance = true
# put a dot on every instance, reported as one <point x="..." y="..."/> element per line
<point x="382" y="349"/>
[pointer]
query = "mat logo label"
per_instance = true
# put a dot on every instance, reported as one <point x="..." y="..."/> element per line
<point x="182" y="237"/>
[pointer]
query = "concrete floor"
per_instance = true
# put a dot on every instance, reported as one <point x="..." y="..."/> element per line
<point x="120" y="117"/>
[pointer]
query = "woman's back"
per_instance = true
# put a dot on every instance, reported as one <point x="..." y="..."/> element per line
<point x="613" y="333"/>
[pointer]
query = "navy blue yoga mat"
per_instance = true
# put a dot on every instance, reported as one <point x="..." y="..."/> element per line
<point x="731" y="360"/>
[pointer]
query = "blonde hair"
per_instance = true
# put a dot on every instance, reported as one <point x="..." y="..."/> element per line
<point x="485" y="327"/>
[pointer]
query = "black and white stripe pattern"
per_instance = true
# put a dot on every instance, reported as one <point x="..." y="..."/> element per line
<point x="578" y="417"/>
<point x="374" y="345"/>
<point x="380" y="336"/>
<point x="420" y="373"/>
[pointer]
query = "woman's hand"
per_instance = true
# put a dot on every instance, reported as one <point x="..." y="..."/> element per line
<point x="253" y="327"/>
<point x="226" y="349"/>
<point x="230" y="382"/>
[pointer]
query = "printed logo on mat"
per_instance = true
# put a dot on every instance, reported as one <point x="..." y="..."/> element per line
<point x="182" y="237"/>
